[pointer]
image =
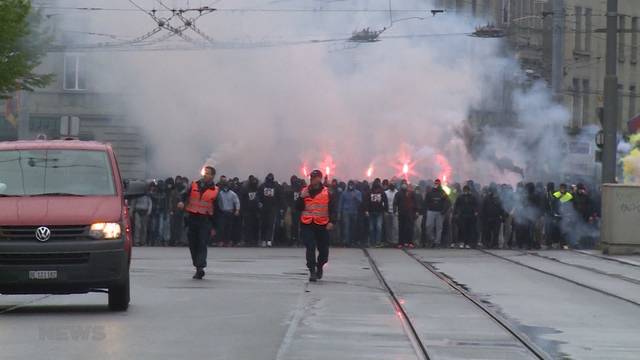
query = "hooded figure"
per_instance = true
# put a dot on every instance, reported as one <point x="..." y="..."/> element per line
<point x="465" y="213"/>
<point x="375" y="205"/>
<point x="250" y="205"/>
<point x="404" y="205"/>
<point x="270" y="197"/>
<point x="348" y="208"/>
<point x="292" y="198"/>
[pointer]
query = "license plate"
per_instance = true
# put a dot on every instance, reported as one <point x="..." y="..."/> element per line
<point x="43" y="275"/>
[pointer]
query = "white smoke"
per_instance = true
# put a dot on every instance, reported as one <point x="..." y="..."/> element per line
<point x="273" y="109"/>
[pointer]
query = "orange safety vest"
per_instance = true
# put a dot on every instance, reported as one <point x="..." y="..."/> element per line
<point x="201" y="203"/>
<point x="316" y="209"/>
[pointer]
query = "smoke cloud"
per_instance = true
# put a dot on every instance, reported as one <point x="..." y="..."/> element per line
<point x="271" y="98"/>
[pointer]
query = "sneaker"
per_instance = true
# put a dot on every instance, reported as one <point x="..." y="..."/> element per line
<point x="399" y="246"/>
<point x="411" y="246"/>
<point x="452" y="246"/>
<point x="319" y="272"/>
<point x="466" y="246"/>
<point x="199" y="274"/>
<point x="268" y="243"/>
<point x="313" y="277"/>
<point x="462" y="246"/>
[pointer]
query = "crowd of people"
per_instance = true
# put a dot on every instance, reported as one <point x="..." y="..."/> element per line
<point x="380" y="213"/>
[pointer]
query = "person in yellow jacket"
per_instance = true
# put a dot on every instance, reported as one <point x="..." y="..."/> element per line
<point x="564" y="212"/>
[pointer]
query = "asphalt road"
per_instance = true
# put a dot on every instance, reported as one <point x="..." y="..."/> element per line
<point x="257" y="304"/>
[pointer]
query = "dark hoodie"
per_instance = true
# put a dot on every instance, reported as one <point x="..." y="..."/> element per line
<point x="270" y="195"/>
<point x="376" y="201"/>
<point x="249" y="197"/>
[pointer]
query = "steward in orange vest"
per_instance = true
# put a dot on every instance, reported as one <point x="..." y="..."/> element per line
<point x="317" y="217"/>
<point x="200" y="207"/>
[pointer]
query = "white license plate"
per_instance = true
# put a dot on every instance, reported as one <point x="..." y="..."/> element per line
<point x="43" y="275"/>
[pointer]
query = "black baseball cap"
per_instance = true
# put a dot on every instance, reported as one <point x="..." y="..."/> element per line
<point x="316" y="173"/>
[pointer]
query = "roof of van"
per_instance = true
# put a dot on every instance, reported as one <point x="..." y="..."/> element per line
<point x="53" y="144"/>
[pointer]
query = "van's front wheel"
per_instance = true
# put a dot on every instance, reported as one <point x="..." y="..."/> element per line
<point x="119" y="296"/>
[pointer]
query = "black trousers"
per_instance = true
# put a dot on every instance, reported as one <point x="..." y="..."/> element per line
<point x="405" y="224"/>
<point x="491" y="233"/>
<point x="467" y="227"/>
<point x="198" y="234"/>
<point x="225" y="226"/>
<point x="295" y="228"/>
<point x="177" y="228"/>
<point x="524" y="235"/>
<point x="251" y="228"/>
<point x="315" y="237"/>
<point x="268" y="225"/>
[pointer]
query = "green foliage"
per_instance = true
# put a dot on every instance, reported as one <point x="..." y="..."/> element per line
<point x="23" y="44"/>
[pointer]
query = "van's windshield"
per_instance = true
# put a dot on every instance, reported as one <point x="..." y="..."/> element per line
<point x="55" y="173"/>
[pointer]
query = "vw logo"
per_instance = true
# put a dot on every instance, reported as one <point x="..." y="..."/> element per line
<point x="43" y="234"/>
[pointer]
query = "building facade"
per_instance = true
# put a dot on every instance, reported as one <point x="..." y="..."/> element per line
<point x="77" y="104"/>
<point x="585" y="54"/>
<point x="532" y="30"/>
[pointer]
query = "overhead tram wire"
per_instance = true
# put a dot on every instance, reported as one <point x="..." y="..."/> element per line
<point x="220" y="45"/>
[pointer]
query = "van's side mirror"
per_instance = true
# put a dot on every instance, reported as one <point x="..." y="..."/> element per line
<point x="134" y="188"/>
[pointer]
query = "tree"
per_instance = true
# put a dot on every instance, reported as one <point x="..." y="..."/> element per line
<point x="23" y="44"/>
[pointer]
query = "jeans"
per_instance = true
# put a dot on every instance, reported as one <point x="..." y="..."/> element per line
<point x="375" y="228"/>
<point x="140" y="229"/>
<point x="435" y="220"/>
<point x="349" y="228"/>
<point x="391" y="228"/>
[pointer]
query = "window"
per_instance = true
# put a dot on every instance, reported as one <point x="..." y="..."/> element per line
<point x="634" y="40"/>
<point x="74" y="73"/>
<point x="77" y="172"/>
<point x="632" y="101"/>
<point x="49" y="126"/>
<point x="586" y="101"/>
<point x="588" y="30"/>
<point x="577" y="104"/>
<point x="577" y="46"/>
<point x="621" y="37"/>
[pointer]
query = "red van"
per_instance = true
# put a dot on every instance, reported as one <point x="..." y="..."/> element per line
<point x="64" y="227"/>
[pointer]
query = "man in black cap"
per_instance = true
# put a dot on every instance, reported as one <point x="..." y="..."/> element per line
<point x="317" y="218"/>
<point x="199" y="203"/>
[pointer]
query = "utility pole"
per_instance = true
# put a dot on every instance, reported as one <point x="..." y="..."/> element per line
<point x="557" y="53"/>
<point x="610" y="126"/>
